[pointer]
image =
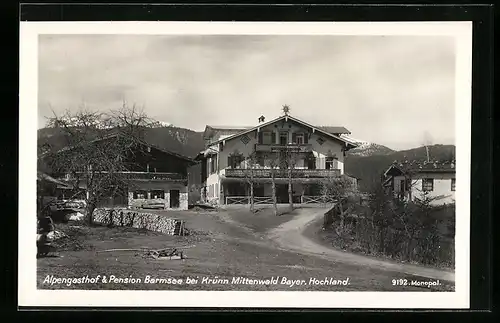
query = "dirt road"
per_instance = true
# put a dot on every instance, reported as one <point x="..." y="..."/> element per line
<point x="290" y="236"/>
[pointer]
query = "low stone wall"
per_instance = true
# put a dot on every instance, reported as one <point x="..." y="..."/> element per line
<point x="139" y="220"/>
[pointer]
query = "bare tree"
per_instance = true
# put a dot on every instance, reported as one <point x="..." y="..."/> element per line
<point x="273" y="160"/>
<point x="98" y="150"/>
<point x="290" y="162"/>
<point x="251" y="161"/>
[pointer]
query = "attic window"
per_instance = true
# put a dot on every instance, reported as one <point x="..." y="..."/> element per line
<point x="245" y="139"/>
<point x="320" y="141"/>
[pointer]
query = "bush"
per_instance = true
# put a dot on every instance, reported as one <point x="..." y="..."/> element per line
<point x="413" y="232"/>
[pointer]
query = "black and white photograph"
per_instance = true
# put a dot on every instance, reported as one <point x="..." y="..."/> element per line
<point x="224" y="157"/>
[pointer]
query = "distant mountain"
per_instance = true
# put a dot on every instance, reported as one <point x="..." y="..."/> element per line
<point x="179" y="140"/>
<point x="370" y="149"/>
<point x="369" y="167"/>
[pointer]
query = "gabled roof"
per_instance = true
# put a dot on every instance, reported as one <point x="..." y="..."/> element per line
<point x="287" y="117"/>
<point x="423" y="167"/>
<point x="335" y="130"/>
<point x="210" y="130"/>
<point x="142" y="142"/>
<point x="228" y="127"/>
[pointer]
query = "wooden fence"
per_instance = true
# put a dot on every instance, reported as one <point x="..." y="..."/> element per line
<point x="317" y="199"/>
<point x="305" y="199"/>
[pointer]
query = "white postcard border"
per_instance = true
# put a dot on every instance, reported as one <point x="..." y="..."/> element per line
<point x="29" y="295"/>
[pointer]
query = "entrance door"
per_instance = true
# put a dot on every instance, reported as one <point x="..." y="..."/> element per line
<point x="174" y="199"/>
<point x="258" y="190"/>
<point x="311" y="162"/>
<point x="282" y="193"/>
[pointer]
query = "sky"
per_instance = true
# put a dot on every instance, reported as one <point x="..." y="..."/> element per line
<point x="396" y="91"/>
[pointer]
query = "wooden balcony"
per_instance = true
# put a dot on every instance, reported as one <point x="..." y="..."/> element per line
<point x="281" y="173"/>
<point x="299" y="148"/>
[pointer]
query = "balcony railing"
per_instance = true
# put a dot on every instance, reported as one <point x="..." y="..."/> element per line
<point x="152" y="176"/>
<point x="300" y="148"/>
<point x="281" y="173"/>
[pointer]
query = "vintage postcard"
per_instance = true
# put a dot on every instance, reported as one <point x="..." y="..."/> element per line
<point x="210" y="164"/>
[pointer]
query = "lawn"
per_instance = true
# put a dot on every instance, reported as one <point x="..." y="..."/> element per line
<point x="216" y="250"/>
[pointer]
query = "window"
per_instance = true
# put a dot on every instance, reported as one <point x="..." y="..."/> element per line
<point x="331" y="163"/>
<point x="140" y="194"/>
<point x="157" y="194"/>
<point x="299" y="139"/>
<point x="283" y="138"/>
<point x="234" y="161"/>
<point x="311" y="162"/>
<point x="453" y="184"/>
<point x="402" y="186"/>
<point x="213" y="165"/>
<point x="427" y="184"/>
<point x="260" y="160"/>
<point x="267" y="138"/>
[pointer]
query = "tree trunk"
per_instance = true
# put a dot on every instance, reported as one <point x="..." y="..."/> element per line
<point x="290" y="189"/>
<point x="273" y="186"/>
<point x="90" y="212"/>
<point x="252" y="202"/>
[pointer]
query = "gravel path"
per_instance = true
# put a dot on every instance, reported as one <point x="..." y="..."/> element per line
<point x="289" y="236"/>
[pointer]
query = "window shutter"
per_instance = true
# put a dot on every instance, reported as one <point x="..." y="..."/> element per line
<point x="306" y="138"/>
<point x="294" y="137"/>
<point x="273" y="137"/>
<point x="260" y="137"/>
